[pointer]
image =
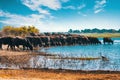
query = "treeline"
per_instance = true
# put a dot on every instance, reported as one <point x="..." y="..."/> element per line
<point x="19" y="31"/>
<point x="95" y="30"/>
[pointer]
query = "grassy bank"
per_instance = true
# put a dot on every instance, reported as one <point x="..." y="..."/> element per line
<point x="101" y="35"/>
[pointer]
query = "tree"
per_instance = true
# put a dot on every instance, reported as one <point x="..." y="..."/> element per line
<point x="19" y="31"/>
<point x="70" y="31"/>
<point x="118" y="31"/>
<point x="76" y="31"/>
<point x="95" y="30"/>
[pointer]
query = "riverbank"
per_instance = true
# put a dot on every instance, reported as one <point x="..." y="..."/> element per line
<point x="49" y="74"/>
<point x="42" y="74"/>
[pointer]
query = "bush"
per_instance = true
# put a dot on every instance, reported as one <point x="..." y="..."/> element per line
<point x="19" y="31"/>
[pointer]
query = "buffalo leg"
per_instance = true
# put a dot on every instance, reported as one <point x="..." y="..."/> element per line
<point x="0" y="46"/>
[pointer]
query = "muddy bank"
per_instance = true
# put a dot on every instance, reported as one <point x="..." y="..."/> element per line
<point x="41" y="74"/>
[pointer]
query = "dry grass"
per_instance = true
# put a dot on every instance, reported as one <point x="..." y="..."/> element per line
<point x="11" y="53"/>
<point x="5" y="52"/>
<point x="101" y="35"/>
<point x="58" y="75"/>
<point x="75" y="58"/>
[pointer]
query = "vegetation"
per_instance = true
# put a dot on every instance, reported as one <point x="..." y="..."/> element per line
<point x="101" y="35"/>
<point x="75" y="58"/>
<point x="95" y="30"/>
<point x="19" y="31"/>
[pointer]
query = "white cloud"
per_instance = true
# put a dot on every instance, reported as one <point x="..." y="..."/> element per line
<point x="75" y="8"/>
<point x="99" y="6"/>
<point x="42" y="22"/>
<point x="1" y="13"/>
<point x="69" y="7"/>
<point x="36" y="5"/>
<point x="18" y="20"/>
<point x="81" y="6"/>
<point x="102" y="2"/>
<point x="97" y="11"/>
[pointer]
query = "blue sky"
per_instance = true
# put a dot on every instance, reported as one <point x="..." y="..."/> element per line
<point x="61" y="15"/>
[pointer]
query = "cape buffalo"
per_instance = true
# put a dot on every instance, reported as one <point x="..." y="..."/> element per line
<point x="22" y="41"/>
<point x="107" y="40"/>
<point x="0" y="43"/>
<point x="45" y="41"/>
<point x="6" y="41"/>
<point x="94" y="40"/>
<point x="35" y="41"/>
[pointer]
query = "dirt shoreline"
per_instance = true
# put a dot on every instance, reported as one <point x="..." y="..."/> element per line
<point x="52" y="74"/>
<point x="42" y="74"/>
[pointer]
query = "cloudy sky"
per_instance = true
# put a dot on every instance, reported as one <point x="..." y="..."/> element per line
<point x="61" y="15"/>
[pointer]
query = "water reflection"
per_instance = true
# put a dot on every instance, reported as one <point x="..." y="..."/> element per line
<point x="46" y="62"/>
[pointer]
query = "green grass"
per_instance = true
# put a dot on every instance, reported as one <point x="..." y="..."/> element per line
<point x="101" y="35"/>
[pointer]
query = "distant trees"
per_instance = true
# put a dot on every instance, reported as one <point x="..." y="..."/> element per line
<point x="95" y="30"/>
<point x="70" y="31"/>
<point x="19" y="31"/>
<point x="74" y="31"/>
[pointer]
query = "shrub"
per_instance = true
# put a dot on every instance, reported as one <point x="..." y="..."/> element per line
<point x="19" y="31"/>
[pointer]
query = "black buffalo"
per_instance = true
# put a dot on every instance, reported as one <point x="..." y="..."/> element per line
<point x="6" y="41"/>
<point x="35" y="41"/>
<point x="45" y="41"/>
<point x="94" y="40"/>
<point x="107" y="40"/>
<point x="22" y="41"/>
<point x="0" y="43"/>
<point x="15" y="41"/>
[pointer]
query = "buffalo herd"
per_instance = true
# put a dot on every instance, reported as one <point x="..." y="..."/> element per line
<point x="29" y="42"/>
<point x="15" y="42"/>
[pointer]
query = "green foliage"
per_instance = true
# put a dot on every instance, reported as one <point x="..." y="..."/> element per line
<point x="70" y="31"/>
<point x="95" y="30"/>
<point x="19" y="31"/>
<point x="74" y="31"/>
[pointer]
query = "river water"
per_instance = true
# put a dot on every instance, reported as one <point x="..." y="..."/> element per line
<point x="110" y="51"/>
